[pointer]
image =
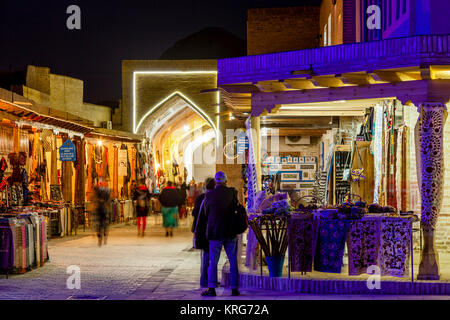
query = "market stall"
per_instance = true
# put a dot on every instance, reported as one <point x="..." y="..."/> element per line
<point x="38" y="171"/>
<point x="349" y="202"/>
<point x="117" y="159"/>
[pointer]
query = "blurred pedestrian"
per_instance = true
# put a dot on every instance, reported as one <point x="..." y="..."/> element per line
<point x="220" y="204"/>
<point x="199" y="230"/>
<point x="191" y="193"/>
<point x="102" y="204"/>
<point x="142" y="197"/>
<point x="170" y="200"/>
<point x="198" y="190"/>
<point x="182" y="190"/>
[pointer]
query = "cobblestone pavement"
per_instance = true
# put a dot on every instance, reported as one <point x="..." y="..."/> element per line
<point x="128" y="267"/>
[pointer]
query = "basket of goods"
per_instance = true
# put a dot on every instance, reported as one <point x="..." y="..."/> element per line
<point x="279" y="208"/>
<point x="308" y="204"/>
<point x="386" y="210"/>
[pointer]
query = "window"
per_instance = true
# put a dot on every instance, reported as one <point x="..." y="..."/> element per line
<point x="329" y="30"/>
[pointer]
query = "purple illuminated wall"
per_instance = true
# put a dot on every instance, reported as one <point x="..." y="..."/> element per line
<point x="402" y="18"/>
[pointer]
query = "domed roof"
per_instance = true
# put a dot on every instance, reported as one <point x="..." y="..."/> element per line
<point x="209" y="43"/>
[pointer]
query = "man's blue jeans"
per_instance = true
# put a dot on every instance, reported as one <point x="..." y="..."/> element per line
<point x="204" y="269"/>
<point x="215" y="247"/>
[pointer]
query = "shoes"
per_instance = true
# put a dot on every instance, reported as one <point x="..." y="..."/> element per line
<point x="142" y="234"/>
<point x="235" y="292"/>
<point x="171" y="233"/>
<point x="211" y="292"/>
<point x="167" y="233"/>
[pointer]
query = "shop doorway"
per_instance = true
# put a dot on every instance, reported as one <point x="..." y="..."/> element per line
<point x="182" y="140"/>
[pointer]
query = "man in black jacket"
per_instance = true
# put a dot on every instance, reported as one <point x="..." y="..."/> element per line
<point x="220" y="204"/>
<point x="199" y="230"/>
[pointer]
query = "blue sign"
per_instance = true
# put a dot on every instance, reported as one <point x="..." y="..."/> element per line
<point x="67" y="152"/>
<point x="241" y="143"/>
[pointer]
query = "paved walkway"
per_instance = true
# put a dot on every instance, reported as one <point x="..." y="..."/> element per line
<point x="128" y="267"/>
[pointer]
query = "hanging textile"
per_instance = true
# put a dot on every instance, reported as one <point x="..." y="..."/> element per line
<point x="404" y="174"/>
<point x="115" y="184"/>
<point x="399" y="167"/>
<point x="362" y="245"/>
<point x="330" y="245"/>
<point x="377" y="151"/>
<point x="106" y="161"/>
<point x="89" y="169"/>
<point x="48" y="141"/>
<point x="6" y="249"/>
<point x="302" y="235"/>
<point x="79" y="172"/>
<point x="362" y="158"/>
<point x="395" y="244"/>
<point x="133" y="163"/>
<point x="252" y="176"/>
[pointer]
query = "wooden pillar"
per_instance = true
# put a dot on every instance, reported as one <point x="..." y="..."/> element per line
<point x="430" y="174"/>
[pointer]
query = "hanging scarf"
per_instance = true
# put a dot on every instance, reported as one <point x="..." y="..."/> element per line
<point x="252" y="184"/>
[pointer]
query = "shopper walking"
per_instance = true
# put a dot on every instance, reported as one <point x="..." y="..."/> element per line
<point x="102" y="204"/>
<point x="170" y="200"/>
<point x="220" y="204"/>
<point x="182" y="190"/>
<point x="142" y="196"/>
<point x="191" y="193"/>
<point x="199" y="230"/>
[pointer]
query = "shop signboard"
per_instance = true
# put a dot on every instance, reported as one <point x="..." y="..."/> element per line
<point x="241" y="143"/>
<point x="67" y="152"/>
<point x="122" y="158"/>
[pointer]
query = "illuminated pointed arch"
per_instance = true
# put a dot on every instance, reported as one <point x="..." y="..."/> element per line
<point x="189" y="102"/>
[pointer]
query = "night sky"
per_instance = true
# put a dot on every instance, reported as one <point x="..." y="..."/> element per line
<point x="35" y="32"/>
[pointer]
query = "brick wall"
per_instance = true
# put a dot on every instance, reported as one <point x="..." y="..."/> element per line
<point x="282" y="29"/>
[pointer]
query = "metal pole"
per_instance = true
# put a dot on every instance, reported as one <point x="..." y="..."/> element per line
<point x="289" y="263"/>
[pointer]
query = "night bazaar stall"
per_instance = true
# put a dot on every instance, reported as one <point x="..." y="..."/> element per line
<point x="380" y="139"/>
<point x="361" y="216"/>
<point x="37" y="180"/>
<point x="119" y="160"/>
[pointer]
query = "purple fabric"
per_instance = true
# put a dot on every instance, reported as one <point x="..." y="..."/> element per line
<point x="6" y="248"/>
<point x="363" y="243"/>
<point x="302" y="235"/>
<point x="330" y="245"/>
